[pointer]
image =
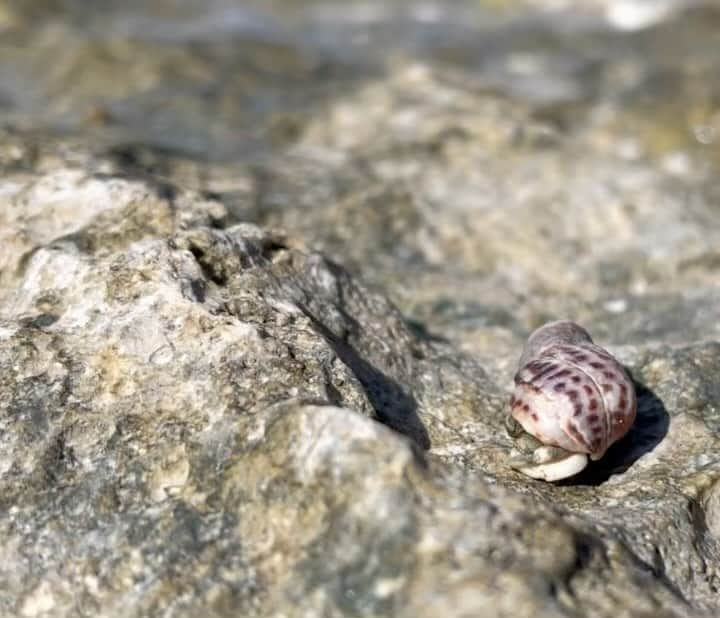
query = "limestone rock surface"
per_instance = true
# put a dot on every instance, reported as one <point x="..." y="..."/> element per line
<point x="265" y="275"/>
<point x="198" y="419"/>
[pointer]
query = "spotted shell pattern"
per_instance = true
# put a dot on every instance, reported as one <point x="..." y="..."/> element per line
<point x="573" y="394"/>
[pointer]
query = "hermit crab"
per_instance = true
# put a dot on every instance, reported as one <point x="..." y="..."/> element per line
<point x="572" y="400"/>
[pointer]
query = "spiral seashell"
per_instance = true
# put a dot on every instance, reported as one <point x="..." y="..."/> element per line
<point x="572" y="395"/>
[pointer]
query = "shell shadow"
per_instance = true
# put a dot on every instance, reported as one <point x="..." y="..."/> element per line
<point x="650" y="428"/>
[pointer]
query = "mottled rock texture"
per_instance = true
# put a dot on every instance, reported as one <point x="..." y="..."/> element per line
<point x="206" y="420"/>
<point x="274" y="382"/>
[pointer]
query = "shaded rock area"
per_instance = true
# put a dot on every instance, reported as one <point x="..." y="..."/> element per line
<point x="256" y="348"/>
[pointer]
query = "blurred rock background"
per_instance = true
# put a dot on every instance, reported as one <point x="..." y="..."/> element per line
<point x="266" y="269"/>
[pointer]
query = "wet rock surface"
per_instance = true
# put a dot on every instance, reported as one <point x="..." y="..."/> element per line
<point x="262" y="295"/>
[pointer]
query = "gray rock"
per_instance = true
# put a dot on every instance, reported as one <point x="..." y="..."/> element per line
<point x="274" y="383"/>
<point x="218" y="422"/>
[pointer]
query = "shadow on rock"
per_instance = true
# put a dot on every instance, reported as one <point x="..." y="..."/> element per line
<point x="393" y="406"/>
<point x="650" y="428"/>
<point x="421" y="332"/>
